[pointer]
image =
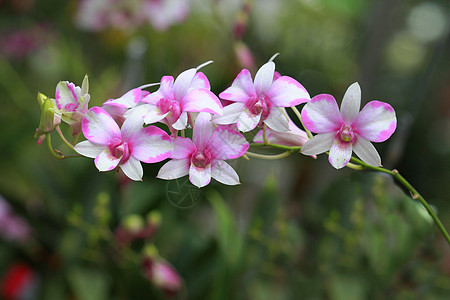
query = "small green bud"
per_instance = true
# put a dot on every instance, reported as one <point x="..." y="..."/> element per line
<point x="150" y="251"/>
<point x="154" y="218"/>
<point x="133" y="223"/>
<point x="47" y="121"/>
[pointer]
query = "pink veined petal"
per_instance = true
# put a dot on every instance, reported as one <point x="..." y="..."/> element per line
<point x="202" y="131"/>
<point x="88" y="149"/>
<point x="287" y="92"/>
<point x="151" y="145"/>
<point x="351" y="103"/>
<point x="242" y="88"/>
<point x="321" y="114"/>
<point x="224" y="173"/>
<point x="105" y="161"/>
<point x="116" y="111"/>
<point x="276" y="120"/>
<point x="99" y="127"/>
<point x="200" y="81"/>
<point x="340" y="153"/>
<point x="264" y="78"/>
<point x="200" y="177"/>
<point x="230" y="114"/>
<point x="131" y="127"/>
<point x="226" y="143"/>
<point x="366" y="151"/>
<point x="183" y="148"/>
<point x="201" y="100"/>
<point x="133" y="169"/>
<point x="66" y="93"/>
<point x="247" y="122"/>
<point x="318" y="144"/>
<point x="181" y="123"/>
<point x="174" y="169"/>
<point x="165" y="91"/>
<point x="183" y="82"/>
<point x="376" y="122"/>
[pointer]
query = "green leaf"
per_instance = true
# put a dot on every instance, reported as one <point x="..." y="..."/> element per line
<point x="88" y="284"/>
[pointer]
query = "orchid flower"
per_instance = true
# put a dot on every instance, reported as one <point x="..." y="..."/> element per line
<point x="163" y="13"/>
<point x="293" y="137"/>
<point x="125" y="147"/>
<point x="258" y="101"/>
<point x="72" y="103"/>
<point x="190" y="92"/>
<point x="349" y="129"/>
<point x="118" y="107"/>
<point x="203" y="156"/>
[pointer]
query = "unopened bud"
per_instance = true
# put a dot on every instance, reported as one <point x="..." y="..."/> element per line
<point x="133" y="223"/>
<point x="154" y="219"/>
<point x="47" y="121"/>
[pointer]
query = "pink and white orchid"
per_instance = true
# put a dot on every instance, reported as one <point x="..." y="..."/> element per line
<point x="190" y="92"/>
<point x="259" y="101"/>
<point x="118" y="107"/>
<point x="125" y="147"/>
<point x="72" y="103"/>
<point x="349" y="129"/>
<point x="203" y="156"/>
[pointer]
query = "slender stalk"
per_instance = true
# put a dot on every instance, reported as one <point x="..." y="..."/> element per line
<point x="266" y="142"/>
<point x="61" y="135"/>
<point x="297" y="113"/>
<point x="414" y="193"/>
<point x="269" y="157"/>
<point x="50" y="147"/>
<point x="290" y="148"/>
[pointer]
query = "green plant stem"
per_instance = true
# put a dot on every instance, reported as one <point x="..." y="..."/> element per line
<point x="61" y="135"/>
<point x="414" y="193"/>
<point x="50" y="147"/>
<point x="297" y="113"/>
<point x="266" y="142"/>
<point x="269" y="157"/>
<point x="290" y="148"/>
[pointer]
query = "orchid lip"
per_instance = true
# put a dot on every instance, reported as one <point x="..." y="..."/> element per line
<point x="201" y="159"/>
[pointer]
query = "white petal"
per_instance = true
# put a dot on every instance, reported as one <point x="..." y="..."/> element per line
<point x="133" y="169"/>
<point x="174" y="169"/>
<point x="247" y="121"/>
<point x="230" y="114"/>
<point x="181" y="123"/>
<point x="105" y="161"/>
<point x="224" y="173"/>
<point x="366" y="151"/>
<point x="340" y="153"/>
<point x="276" y="120"/>
<point x="151" y="145"/>
<point x="183" y="82"/>
<point x="318" y="144"/>
<point x="203" y="129"/>
<point x="99" y="127"/>
<point x="264" y="77"/>
<point x="351" y="103"/>
<point x="200" y="177"/>
<point x="89" y="149"/>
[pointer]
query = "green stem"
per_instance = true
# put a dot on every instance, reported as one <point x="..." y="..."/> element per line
<point x="269" y="157"/>
<point x="414" y="193"/>
<point x="61" y="135"/>
<point x="50" y="147"/>
<point x="297" y="113"/>
<point x="290" y="148"/>
<point x="266" y="142"/>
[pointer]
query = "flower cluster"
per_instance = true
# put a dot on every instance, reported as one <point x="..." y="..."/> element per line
<point x="122" y="133"/>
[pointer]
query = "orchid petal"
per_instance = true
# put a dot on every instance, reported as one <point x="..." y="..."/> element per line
<point x="174" y="169"/>
<point x="242" y="88"/>
<point x="131" y="128"/>
<point x="183" y="148"/>
<point x="99" y="127"/>
<point x="105" y="161"/>
<point x="129" y="99"/>
<point x="247" y="121"/>
<point x="224" y="173"/>
<point x="287" y="92"/>
<point x="340" y="153"/>
<point x="165" y="90"/>
<point x="276" y="120"/>
<point x="376" y="122"/>
<point x="318" y="144"/>
<point x="66" y="93"/>
<point x="200" y="177"/>
<point x="366" y="151"/>
<point x="151" y="145"/>
<point x="321" y="114"/>
<point x="351" y="103"/>
<point x="183" y="82"/>
<point x="201" y="100"/>
<point x="202" y="130"/>
<point x="89" y="149"/>
<point x="181" y="123"/>
<point x="148" y="112"/>
<point x="230" y="114"/>
<point x="133" y="169"/>
<point x="200" y="81"/>
<point x="226" y="143"/>
<point x="264" y="78"/>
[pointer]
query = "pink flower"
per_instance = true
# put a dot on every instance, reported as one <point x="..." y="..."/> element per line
<point x="259" y="101"/>
<point x="125" y="147"/>
<point x="118" y="107"/>
<point x="12" y="226"/>
<point x="293" y="137"/>
<point x="349" y="129"/>
<point x="190" y="92"/>
<point x="203" y="156"/>
<point x="72" y="103"/>
<point x="162" y="275"/>
<point x="163" y="13"/>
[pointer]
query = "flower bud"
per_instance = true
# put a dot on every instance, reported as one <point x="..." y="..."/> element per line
<point x="48" y="119"/>
<point x="162" y="274"/>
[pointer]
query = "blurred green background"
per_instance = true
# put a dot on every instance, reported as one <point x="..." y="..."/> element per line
<point x="295" y="228"/>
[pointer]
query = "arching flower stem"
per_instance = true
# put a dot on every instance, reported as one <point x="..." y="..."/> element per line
<point x="63" y="138"/>
<point x="269" y="157"/>
<point x="297" y="113"/>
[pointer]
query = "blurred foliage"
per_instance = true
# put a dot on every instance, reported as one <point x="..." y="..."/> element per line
<point x="294" y="229"/>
